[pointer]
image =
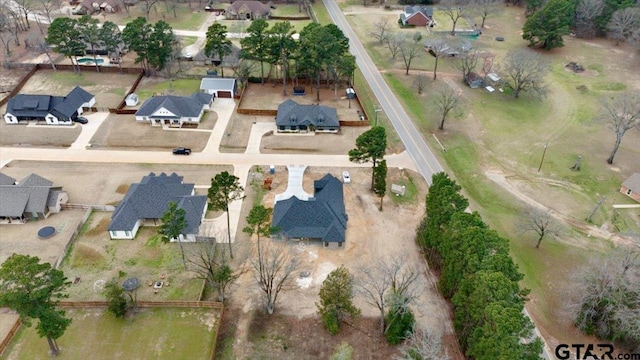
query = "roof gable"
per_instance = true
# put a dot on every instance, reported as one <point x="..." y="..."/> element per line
<point x="290" y="113"/>
<point x="6" y="180"/>
<point x="150" y="198"/>
<point x="178" y="106"/>
<point x="321" y="217"/>
<point x="633" y="183"/>
<point x="35" y="180"/>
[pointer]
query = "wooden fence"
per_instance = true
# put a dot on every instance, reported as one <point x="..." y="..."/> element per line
<point x="143" y="304"/>
<point x="10" y="335"/>
<point x="19" y="85"/>
<point x="72" y="239"/>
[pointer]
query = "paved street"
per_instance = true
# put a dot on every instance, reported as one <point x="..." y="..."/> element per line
<point x="426" y="162"/>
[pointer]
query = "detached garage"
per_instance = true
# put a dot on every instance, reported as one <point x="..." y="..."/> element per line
<point x="219" y="87"/>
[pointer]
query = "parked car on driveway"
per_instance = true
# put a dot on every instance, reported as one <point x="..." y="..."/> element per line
<point x="81" y="120"/>
<point x="181" y="151"/>
<point x="346" y="178"/>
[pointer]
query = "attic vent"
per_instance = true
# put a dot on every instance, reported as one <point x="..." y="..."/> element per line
<point x="320" y="119"/>
<point x="293" y="119"/>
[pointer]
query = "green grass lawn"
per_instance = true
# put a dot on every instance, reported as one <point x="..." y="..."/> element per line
<point x="288" y="10"/>
<point x="158" y="333"/>
<point x="182" y="87"/>
<point x="185" y="19"/>
<point x="497" y="132"/>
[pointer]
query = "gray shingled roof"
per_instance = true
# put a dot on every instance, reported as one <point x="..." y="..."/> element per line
<point x="633" y="183"/>
<point x="321" y="217"/>
<point x="225" y="84"/>
<point x="31" y="194"/>
<point x="35" y="180"/>
<point x="150" y="198"/>
<point x="181" y="106"/>
<point x="6" y="180"/>
<point x="290" y="113"/>
<point x="14" y="201"/>
<point x="202" y="98"/>
<point x="252" y="5"/>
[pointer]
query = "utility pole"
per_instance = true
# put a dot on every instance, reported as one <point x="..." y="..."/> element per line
<point x="377" y="110"/>
<point x="543" y="153"/>
<point x="595" y="209"/>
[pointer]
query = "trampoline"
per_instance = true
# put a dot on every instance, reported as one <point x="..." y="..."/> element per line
<point x="46" y="232"/>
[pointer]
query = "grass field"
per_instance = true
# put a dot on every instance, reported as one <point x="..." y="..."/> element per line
<point x="184" y="19"/>
<point x="183" y="87"/>
<point x="158" y="333"/>
<point x="497" y="133"/>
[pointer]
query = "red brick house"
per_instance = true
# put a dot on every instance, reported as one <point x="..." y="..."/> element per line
<point x="631" y="187"/>
<point x="417" y="16"/>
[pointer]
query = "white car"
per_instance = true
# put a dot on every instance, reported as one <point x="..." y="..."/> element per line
<point x="345" y="177"/>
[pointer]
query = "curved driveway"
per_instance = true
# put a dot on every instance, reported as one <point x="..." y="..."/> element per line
<point x="426" y="163"/>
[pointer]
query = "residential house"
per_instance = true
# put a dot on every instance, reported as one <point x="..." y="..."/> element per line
<point x="631" y="187"/>
<point x="146" y="202"/>
<point x="95" y="6"/>
<point x="321" y="217"/>
<point x="417" y="15"/>
<point x="219" y="87"/>
<point x="55" y="110"/>
<point x="248" y="10"/>
<point x="174" y="111"/>
<point x="474" y="80"/>
<point x="34" y="197"/>
<point x="293" y="117"/>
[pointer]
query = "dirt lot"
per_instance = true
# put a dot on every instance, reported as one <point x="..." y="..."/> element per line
<point x="109" y="89"/>
<point x="34" y="135"/>
<point x="136" y="135"/>
<point x="265" y="96"/>
<point x="269" y="96"/>
<point x="371" y="235"/>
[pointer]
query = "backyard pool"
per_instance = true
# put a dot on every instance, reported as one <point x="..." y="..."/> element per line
<point x="90" y="61"/>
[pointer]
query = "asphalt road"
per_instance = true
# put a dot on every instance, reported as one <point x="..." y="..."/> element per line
<point x="425" y="161"/>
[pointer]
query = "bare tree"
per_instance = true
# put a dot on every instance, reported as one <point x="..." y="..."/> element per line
<point x="420" y="82"/>
<point x="487" y="63"/>
<point x="38" y="42"/>
<point x="623" y="114"/>
<point x="453" y="10"/>
<point x="525" y="71"/>
<point x="211" y="263"/>
<point x="623" y="23"/>
<point x="6" y="33"/>
<point x="540" y="222"/>
<point x="273" y="268"/>
<point x="467" y="63"/>
<point x="409" y="50"/>
<point x="447" y="100"/>
<point x="48" y="7"/>
<point x="606" y="301"/>
<point x="423" y="345"/>
<point x="387" y="280"/>
<point x="147" y="6"/>
<point x="381" y="30"/>
<point x="485" y="8"/>
<point x="394" y="42"/>
<point x="586" y="13"/>
<point x="438" y="48"/>
<point x="25" y="7"/>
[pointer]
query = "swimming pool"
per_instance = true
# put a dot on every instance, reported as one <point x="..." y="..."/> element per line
<point x="88" y="61"/>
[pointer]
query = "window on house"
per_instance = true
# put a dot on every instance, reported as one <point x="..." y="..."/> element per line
<point x="127" y="233"/>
